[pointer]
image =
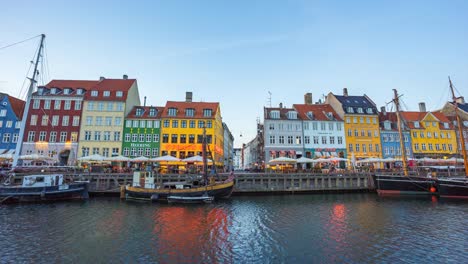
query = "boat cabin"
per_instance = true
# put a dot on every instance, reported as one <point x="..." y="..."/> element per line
<point x="177" y="185"/>
<point x="42" y="180"/>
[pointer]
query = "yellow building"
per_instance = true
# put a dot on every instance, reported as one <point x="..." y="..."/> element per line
<point x="182" y="129"/>
<point x="361" y="124"/>
<point x="104" y="109"/>
<point x="432" y="134"/>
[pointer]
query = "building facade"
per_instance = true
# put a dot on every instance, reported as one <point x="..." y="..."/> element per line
<point x="449" y="111"/>
<point x="53" y="124"/>
<point x="390" y="137"/>
<point x="282" y="133"/>
<point x="106" y="104"/>
<point x="237" y="159"/>
<point x="142" y="132"/>
<point x="182" y="125"/>
<point x="11" y="113"/>
<point x="361" y="124"/>
<point x="323" y="131"/>
<point x="228" y="149"/>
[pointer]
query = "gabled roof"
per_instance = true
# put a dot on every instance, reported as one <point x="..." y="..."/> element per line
<point x="146" y="111"/>
<point x="412" y="116"/>
<point x="197" y="106"/>
<point x="17" y="105"/>
<point x="319" y="112"/>
<point x="283" y="113"/>
<point x="356" y="102"/>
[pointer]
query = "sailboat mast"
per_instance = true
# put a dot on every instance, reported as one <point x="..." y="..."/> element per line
<point x="205" y="162"/>
<point x="28" y="102"/>
<point x="400" y="132"/>
<point x="460" y="131"/>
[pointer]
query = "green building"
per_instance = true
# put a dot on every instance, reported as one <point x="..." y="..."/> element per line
<point x="141" y="135"/>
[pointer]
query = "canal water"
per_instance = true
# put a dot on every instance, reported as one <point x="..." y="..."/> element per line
<point x="342" y="228"/>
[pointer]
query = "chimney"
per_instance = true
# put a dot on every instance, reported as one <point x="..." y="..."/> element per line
<point x="101" y="78"/>
<point x="125" y="77"/>
<point x="144" y="101"/>
<point x="188" y="97"/>
<point x="460" y="100"/>
<point x="382" y="110"/>
<point x="308" y="98"/>
<point x="281" y="105"/>
<point x="422" y="107"/>
<point x="345" y="91"/>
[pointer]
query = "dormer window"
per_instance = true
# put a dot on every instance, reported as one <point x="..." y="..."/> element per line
<point x="172" y="111"/>
<point x="292" y="115"/>
<point x="106" y="93"/>
<point x="350" y="110"/>
<point x="152" y="112"/>
<point x="53" y="90"/>
<point x="206" y="112"/>
<point x="310" y="115"/>
<point x="416" y="124"/>
<point x="359" y="110"/>
<point x="387" y="125"/>
<point x="119" y="94"/>
<point x="139" y="112"/>
<point x="94" y="93"/>
<point x="79" y="91"/>
<point x="329" y="115"/>
<point x="465" y="123"/>
<point x="40" y="90"/>
<point x="66" y="91"/>
<point x="370" y="111"/>
<point x="275" y="114"/>
<point x="446" y="125"/>
<point x="189" y="112"/>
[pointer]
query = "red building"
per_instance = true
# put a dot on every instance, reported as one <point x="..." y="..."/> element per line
<point x="53" y="122"/>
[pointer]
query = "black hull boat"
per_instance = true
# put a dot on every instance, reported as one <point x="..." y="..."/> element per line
<point x="453" y="188"/>
<point x="43" y="188"/>
<point x="404" y="185"/>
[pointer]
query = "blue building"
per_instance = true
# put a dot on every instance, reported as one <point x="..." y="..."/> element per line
<point x="11" y="112"/>
<point x="390" y="138"/>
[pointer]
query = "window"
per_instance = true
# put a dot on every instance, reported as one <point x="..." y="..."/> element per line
<point x="374" y="120"/>
<point x="152" y="112"/>
<point x="369" y="110"/>
<point x="272" y="139"/>
<point x="183" y="139"/>
<point x="350" y="147"/>
<point x="55" y="120"/>
<point x="106" y="93"/>
<point x="450" y="147"/>
<point x="324" y="140"/>
<point x="316" y="139"/>
<point x="209" y="124"/>
<point x="437" y="146"/>
<point x="357" y="147"/>
<point x="120" y="106"/>
<point x="442" y="135"/>
<point x="355" y="120"/>
<point x="87" y="135"/>
<point x="449" y="135"/>
<point x="134" y="137"/>
<point x="377" y="148"/>
<point x="74" y="137"/>
<point x="116" y="135"/>
<point x="364" y="148"/>
<point x="156" y="137"/>
<point x="90" y="106"/>
<point x="33" y="120"/>
<point x="367" y="120"/>
<point x="166" y="123"/>
<point x="350" y="132"/>
<point x="108" y="121"/>
<point x="128" y="123"/>
<point x="133" y="152"/>
<point x="175" y="123"/>
<point x="46" y="104"/>
<point x="338" y="127"/>
<point x="314" y="126"/>
<point x="67" y="105"/>
<point x="165" y="138"/>
<point x="6" y="137"/>
<point x="142" y="137"/>
<point x="155" y="152"/>
<point x="370" y="147"/>
<point x="359" y="110"/>
<point x="207" y="112"/>
<point x="429" y="135"/>
<point x="281" y="139"/>
<point x="98" y="120"/>
<point x="15" y="138"/>
<point x="119" y="94"/>
<point x="307" y="139"/>
<point x="361" y="120"/>
<point x="350" y="110"/>
<point x="356" y="133"/>
<point x="323" y="126"/>
<point x="84" y="151"/>
<point x="423" y="146"/>
<point x="77" y="105"/>
<point x="100" y="106"/>
<point x="94" y="93"/>
<point x="139" y="112"/>
<point x="105" y="151"/>
<point x="79" y="91"/>
<point x="348" y="120"/>
<point x="31" y="136"/>
<point x="45" y="120"/>
<point x="57" y="104"/>
<point x="189" y="112"/>
<point x="416" y="124"/>
<point x="421" y="134"/>
<point x="444" y="147"/>
<point x="127" y="137"/>
<point x="191" y="138"/>
<point x="298" y="140"/>
<point x="36" y="103"/>
<point x="89" y="120"/>
<point x="110" y="106"/>
<point x="97" y="135"/>
<point x="126" y="152"/>
<point x="107" y="135"/>
<point x="330" y="126"/>
<point x="65" y="120"/>
<point x="290" y="140"/>
<point x="118" y="121"/>
<point x="95" y="151"/>
<point x="156" y="124"/>
<point x="63" y="136"/>
<point x="76" y="121"/>
<point x="369" y="133"/>
<point x="340" y="140"/>
<point x="275" y="114"/>
<point x="332" y="140"/>
<point x="201" y="124"/>
<point x="172" y="112"/>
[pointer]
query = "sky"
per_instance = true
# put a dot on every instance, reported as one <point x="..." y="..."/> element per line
<point x="239" y="52"/>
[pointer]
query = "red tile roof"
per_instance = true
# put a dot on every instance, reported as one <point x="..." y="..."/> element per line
<point x="412" y="117"/>
<point x="197" y="106"/>
<point x="146" y="110"/>
<point x="17" y="105"/>
<point x="319" y="111"/>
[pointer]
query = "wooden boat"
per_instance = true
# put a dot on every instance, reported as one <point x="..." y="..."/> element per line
<point x="40" y="188"/>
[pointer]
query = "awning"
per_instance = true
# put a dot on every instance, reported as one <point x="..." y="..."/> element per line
<point x="11" y="151"/>
<point x="2" y="151"/>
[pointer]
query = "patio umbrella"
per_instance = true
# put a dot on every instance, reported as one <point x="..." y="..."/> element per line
<point x="337" y="159"/>
<point x="140" y="159"/>
<point x="118" y="158"/>
<point x="35" y="157"/>
<point x="166" y="158"/>
<point x="282" y="160"/>
<point x="94" y="157"/>
<point x="7" y="156"/>
<point x="369" y="160"/>
<point x="196" y="159"/>
<point x="305" y="160"/>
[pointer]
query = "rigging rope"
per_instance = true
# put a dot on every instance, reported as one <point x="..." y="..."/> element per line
<point x="19" y="42"/>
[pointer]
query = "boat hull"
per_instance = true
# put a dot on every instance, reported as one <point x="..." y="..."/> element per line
<point x="453" y="188"/>
<point x="218" y="191"/>
<point x="404" y="185"/>
<point x="12" y="194"/>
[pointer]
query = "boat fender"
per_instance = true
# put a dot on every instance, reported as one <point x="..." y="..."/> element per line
<point x="432" y="189"/>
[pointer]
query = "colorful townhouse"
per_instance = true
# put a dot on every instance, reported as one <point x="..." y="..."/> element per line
<point x="54" y="118"/>
<point x="432" y="134"/>
<point x="390" y="137"/>
<point x="228" y="149"/>
<point x="106" y="104"/>
<point x="361" y="124"/>
<point x="449" y="111"/>
<point x="11" y="113"/>
<point x="182" y="125"/>
<point x="282" y="133"/>
<point x="323" y="130"/>
<point x="142" y="132"/>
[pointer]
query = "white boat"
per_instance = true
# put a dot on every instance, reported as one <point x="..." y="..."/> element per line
<point x="205" y="198"/>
